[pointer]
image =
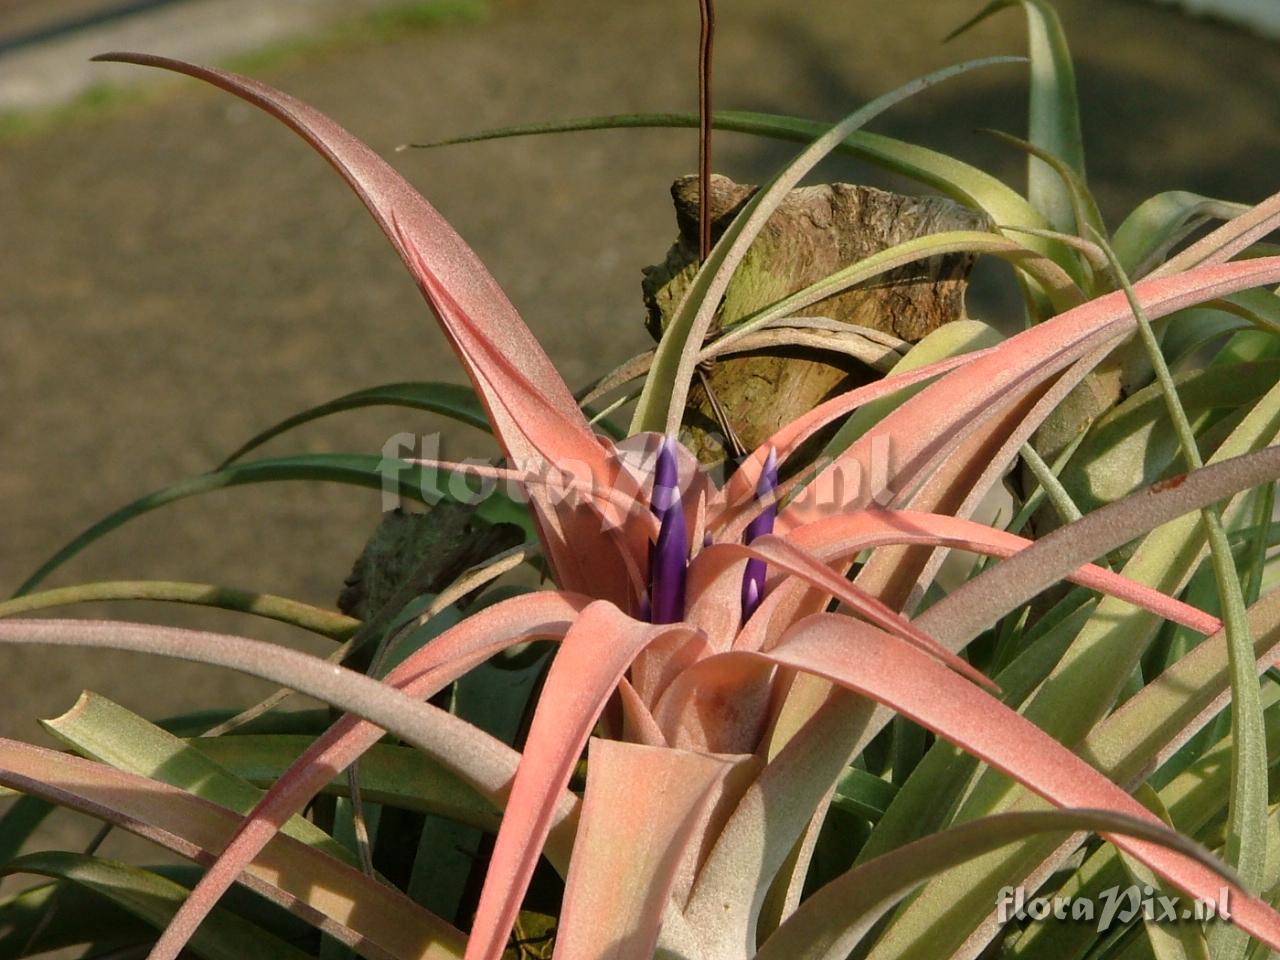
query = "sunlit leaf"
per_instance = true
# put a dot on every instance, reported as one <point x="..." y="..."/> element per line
<point x="362" y="470"/>
<point x="327" y="623"/>
<point x="450" y="399"/>
<point x="153" y="899"/>
<point x="1054" y="120"/>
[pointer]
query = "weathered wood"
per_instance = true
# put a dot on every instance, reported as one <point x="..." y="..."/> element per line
<point x="815" y="232"/>
<point x="410" y="554"/>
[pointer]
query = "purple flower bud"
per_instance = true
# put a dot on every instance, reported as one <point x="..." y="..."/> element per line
<point x="669" y="561"/>
<point x="753" y="576"/>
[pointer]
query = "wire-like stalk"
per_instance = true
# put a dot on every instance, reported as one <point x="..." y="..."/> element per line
<point x="706" y="46"/>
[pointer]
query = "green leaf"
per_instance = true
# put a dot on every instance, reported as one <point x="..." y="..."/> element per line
<point x="1171" y="941"/>
<point x="100" y="921"/>
<point x="1159" y="222"/>
<point x="1125" y="747"/>
<point x="1061" y="290"/>
<point x="154" y="900"/>
<point x="364" y="470"/>
<point x="19" y="822"/>
<point x="830" y="923"/>
<point x="1194" y="798"/>
<point x="1077" y="696"/>
<point x="393" y="776"/>
<point x="1133" y="445"/>
<point x="1054" y="121"/>
<point x="101" y="730"/>
<point x="327" y="623"/>
<point x="450" y="399"/>
<point x="927" y="799"/>
<point x="1083" y="205"/>
<point x="953" y="178"/>
<point x="1260" y="307"/>
<point x="497" y="701"/>
<point x="456" y="401"/>
<point x="1246" y="842"/>
<point x="864" y="794"/>
<point x="330" y="895"/>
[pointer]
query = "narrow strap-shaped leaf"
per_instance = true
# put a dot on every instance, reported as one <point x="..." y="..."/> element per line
<point x="1193" y="798"/>
<point x="937" y="417"/>
<point x="451" y="399"/>
<point x="1053" y="123"/>
<point x="506" y="363"/>
<point x="1083" y="205"/>
<point x="938" y="171"/>
<point x="832" y="921"/>
<point x="1168" y="941"/>
<point x="886" y="669"/>
<point x="1085" y="683"/>
<point x="1161" y="221"/>
<point x="951" y="346"/>
<point x="844" y="536"/>
<point x="977" y="604"/>
<point x="424" y="673"/>
<point x="153" y="899"/>
<point x="787" y="556"/>
<point x="1246" y="847"/>
<point x="530" y="409"/>
<point x="101" y="730"/>
<point x="1106" y="467"/>
<point x="19" y="821"/>
<point x="484" y="762"/>
<point x="362" y="470"/>
<point x="850" y="723"/>
<point x="332" y="896"/>
<point x="391" y="775"/>
<point x="327" y="623"/>
<point x="1232" y="237"/>
<point x="1055" y="281"/>
<point x="1127" y="746"/>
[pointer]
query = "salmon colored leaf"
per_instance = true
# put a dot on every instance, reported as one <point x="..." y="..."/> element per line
<point x="427" y="671"/>
<point x="624" y="869"/>
<point x="890" y="671"/>
<point x="338" y="899"/>
<point x="595" y="654"/>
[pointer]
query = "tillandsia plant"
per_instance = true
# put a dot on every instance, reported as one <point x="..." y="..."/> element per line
<point x="766" y="728"/>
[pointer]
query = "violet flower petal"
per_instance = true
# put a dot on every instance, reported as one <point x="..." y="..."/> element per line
<point x="753" y="576"/>
<point x="670" y="559"/>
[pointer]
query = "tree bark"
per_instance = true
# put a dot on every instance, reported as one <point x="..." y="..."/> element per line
<point x="815" y="232"/>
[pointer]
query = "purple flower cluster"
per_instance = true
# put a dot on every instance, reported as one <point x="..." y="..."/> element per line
<point x="669" y="561"/>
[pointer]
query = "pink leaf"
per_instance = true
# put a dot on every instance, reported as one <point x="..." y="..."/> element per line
<point x="1227" y="240"/>
<point x="531" y="410"/>
<point x="738" y="497"/>
<point x="328" y="894"/>
<point x="425" y="672"/>
<point x="890" y="671"/>
<point x="785" y="555"/>
<point x="944" y="411"/>
<point x="591" y="661"/>
<point x="639" y="814"/>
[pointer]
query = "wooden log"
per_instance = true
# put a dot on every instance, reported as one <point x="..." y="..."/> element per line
<point x="815" y="232"/>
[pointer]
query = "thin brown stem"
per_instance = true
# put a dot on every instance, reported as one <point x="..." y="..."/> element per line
<point x="706" y="43"/>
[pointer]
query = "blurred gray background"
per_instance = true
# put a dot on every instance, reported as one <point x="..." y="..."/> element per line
<point x="177" y="271"/>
